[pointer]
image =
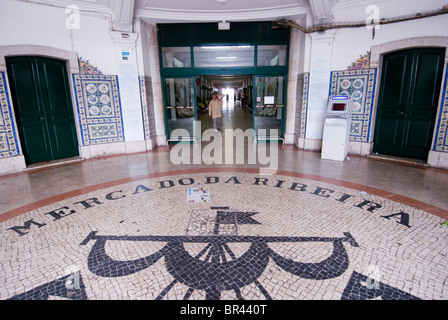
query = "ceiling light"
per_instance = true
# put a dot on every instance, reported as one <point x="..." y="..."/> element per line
<point x="225" y="58"/>
<point x="224" y="25"/>
<point x="225" y="47"/>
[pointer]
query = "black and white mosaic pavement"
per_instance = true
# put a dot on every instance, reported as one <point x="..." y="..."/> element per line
<point x="262" y="237"/>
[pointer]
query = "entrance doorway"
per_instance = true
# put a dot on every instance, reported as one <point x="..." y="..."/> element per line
<point x="237" y="105"/>
<point x="249" y="102"/>
<point x="407" y="104"/>
<point x="269" y="111"/>
<point x="201" y="53"/>
<point x="43" y="108"/>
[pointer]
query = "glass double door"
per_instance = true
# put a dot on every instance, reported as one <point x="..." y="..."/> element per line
<point x="181" y="112"/>
<point x="269" y="107"/>
<point x="268" y="94"/>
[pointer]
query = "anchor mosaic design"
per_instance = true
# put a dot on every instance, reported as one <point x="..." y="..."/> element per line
<point x="224" y="252"/>
<point x="216" y="268"/>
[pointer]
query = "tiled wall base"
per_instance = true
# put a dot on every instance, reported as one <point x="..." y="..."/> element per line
<point x="290" y="138"/>
<point x="312" y="144"/>
<point x="150" y="144"/>
<point x="438" y="159"/>
<point x="109" y="149"/>
<point x="161" y="140"/>
<point x="308" y="144"/>
<point x="18" y="164"/>
<point x="299" y="142"/>
<point x="360" y="148"/>
<point x="102" y="150"/>
<point x="135" y="146"/>
<point x="12" y="165"/>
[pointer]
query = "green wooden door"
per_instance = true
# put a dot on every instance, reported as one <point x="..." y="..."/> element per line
<point x="407" y="105"/>
<point x="43" y="108"/>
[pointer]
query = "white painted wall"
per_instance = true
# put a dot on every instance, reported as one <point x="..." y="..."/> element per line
<point x="142" y="48"/>
<point x="23" y="23"/>
<point x="45" y="26"/>
<point x="126" y="57"/>
<point x="335" y="50"/>
<point x="349" y="44"/>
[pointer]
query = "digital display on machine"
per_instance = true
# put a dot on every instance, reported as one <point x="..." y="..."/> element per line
<point x="339" y="98"/>
<point x="339" y="107"/>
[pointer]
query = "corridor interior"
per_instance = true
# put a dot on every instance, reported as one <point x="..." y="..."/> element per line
<point x="234" y="114"/>
<point x="418" y="185"/>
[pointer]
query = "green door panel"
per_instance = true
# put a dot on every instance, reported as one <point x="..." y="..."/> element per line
<point x="422" y="103"/>
<point x="417" y="141"/>
<point x="428" y="67"/>
<point x="390" y="120"/>
<point x="35" y="143"/>
<point x="42" y="104"/>
<point x="407" y="104"/>
<point x="395" y="79"/>
<point x="59" y="111"/>
<point x="29" y="109"/>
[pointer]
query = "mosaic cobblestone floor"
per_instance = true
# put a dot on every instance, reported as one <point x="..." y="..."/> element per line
<point x="261" y="237"/>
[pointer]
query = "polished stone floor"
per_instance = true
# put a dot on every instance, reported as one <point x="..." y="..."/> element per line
<point x="292" y="228"/>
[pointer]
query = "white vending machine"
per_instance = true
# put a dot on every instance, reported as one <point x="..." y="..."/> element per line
<point x="337" y="128"/>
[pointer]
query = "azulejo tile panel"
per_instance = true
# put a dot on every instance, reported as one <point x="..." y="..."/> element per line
<point x="85" y="67"/>
<point x="302" y="104"/>
<point x="8" y="134"/>
<point x="363" y="62"/>
<point x="441" y="141"/>
<point x="149" y="119"/>
<point x="97" y="131"/>
<point x="360" y="85"/>
<point x="99" y="108"/>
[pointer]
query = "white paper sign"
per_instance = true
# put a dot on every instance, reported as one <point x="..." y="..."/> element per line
<point x="195" y="195"/>
<point x="269" y="99"/>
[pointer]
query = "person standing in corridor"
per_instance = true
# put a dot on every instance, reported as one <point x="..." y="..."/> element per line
<point x="215" y="110"/>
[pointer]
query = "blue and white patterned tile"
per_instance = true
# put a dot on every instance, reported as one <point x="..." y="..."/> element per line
<point x="360" y="85"/>
<point x="102" y="131"/>
<point x="144" y="106"/>
<point x="149" y="118"/>
<point x="99" y="108"/>
<point x="441" y="141"/>
<point x="302" y="104"/>
<point x="8" y="133"/>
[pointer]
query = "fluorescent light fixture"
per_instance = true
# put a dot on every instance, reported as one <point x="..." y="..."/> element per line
<point x="225" y="58"/>
<point x="225" y="47"/>
<point x="224" y="25"/>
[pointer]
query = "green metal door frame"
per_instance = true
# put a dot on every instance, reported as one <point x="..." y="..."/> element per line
<point x="254" y="103"/>
<point x="165" y="102"/>
<point x="207" y="34"/>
